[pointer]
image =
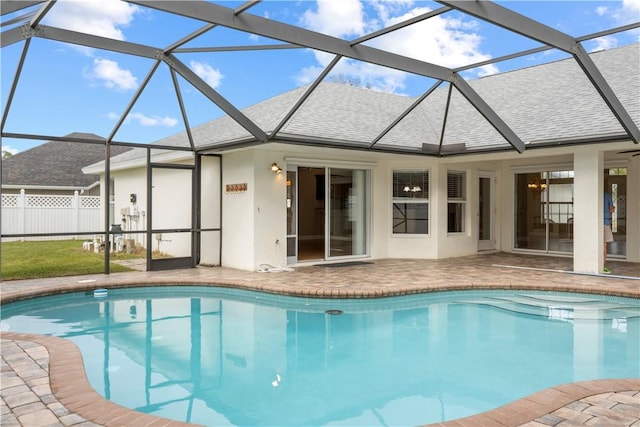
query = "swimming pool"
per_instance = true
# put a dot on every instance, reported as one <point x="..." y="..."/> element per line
<point x="226" y="357"/>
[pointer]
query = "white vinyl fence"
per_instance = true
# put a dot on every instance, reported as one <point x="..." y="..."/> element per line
<point x="41" y="213"/>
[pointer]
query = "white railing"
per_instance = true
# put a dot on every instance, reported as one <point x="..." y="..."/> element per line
<point x="47" y="213"/>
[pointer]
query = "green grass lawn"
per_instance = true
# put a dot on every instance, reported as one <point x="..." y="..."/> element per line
<point x="54" y="258"/>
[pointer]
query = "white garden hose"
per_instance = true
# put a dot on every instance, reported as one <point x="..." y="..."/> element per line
<point x="271" y="268"/>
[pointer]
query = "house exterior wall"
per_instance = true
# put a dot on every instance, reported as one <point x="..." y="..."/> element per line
<point x="269" y="212"/>
<point x="588" y="208"/>
<point x="238" y="211"/>
<point x="269" y="215"/>
<point x="127" y="182"/>
<point x="254" y="221"/>
<point x="265" y="198"/>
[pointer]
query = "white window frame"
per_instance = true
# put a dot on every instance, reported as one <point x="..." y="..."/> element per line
<point x="412" y="189"/>
<point x="459" y="199"/>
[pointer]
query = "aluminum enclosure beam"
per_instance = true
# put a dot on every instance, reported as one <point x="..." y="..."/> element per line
<point x="88" y="40"/>
<point x="607" y="94"/>
<point x="14" y="83"/>
<point x="226" y="17"/>
<point x="205" y="29"/>
<point x="39" y="15"/>
<point x="306" y="95"/>
<point x="215" y="14"/>
<point x="104" y="43"/>
<point x="479" y="103"/>
<point x="215" y="97"/>
<point x="405" y="113"/>
<point x="10" y="6"/>
<point x="400" y="25"/>
<point x="512" y="21"/>
<point x="12" y="36"/>
<point x="183" y="110"/>
<point x="135" y="98"/>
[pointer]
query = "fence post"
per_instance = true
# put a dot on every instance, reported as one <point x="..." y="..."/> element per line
<point x="22" y="205"/>
<point x="76" y="211"/>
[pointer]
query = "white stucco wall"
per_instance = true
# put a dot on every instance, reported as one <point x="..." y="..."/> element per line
<point x="127" y="182"/>
<point x="270" y="209"/>
<point x="238" y="211"/>
<point x="588" y="190"/>
<point x="254" y="222"/>
<point x="465" y="242"/>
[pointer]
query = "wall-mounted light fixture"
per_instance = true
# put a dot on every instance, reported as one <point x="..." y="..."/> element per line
<point x="275" y="168"/>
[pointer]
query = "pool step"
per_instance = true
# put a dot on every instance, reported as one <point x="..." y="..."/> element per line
<point x="558" y="307"/>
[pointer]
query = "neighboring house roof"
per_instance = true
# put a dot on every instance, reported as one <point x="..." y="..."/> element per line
<point x="56" y="164"/>
<point x="552" y="103"/>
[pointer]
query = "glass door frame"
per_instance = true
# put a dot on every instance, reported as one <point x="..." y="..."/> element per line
<point x="551" y="210"/>
<point x="294" y="168"/>
<point x="490" y="243"/>
<point x="292" y="203"/>
<point x="616" y="182"/>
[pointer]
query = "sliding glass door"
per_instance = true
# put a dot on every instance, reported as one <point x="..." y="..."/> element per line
<point x="544" y="211"/>
<point x="615" y="182"/>
<point x="347" y="219"/>
<point x="327" y="213"/>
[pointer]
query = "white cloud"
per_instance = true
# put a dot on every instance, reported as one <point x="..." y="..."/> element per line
<point x="630" y="10"/>
<point x="9" y="149"/>
<point x="209" y="74"/>
<point x="336" y="18"/>
<point x="111" y="75"/>
<point x="146" y="121"/>
<point x="440" y="40"/>
<point x="603" y="43"/>
<point x="99" y="17"/>
<point x="626" y="12"/>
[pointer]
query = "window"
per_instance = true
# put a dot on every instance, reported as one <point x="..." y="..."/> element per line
<point x="456" y="200"/>
<point x="410" y="202"/>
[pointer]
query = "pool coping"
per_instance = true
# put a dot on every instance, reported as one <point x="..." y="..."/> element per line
<point x="314" y="292"/>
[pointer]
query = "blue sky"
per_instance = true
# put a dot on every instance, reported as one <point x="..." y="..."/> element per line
<point x="65" y="88"/>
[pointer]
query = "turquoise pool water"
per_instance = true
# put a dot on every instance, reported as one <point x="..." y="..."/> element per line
<point x="227" y="357"/>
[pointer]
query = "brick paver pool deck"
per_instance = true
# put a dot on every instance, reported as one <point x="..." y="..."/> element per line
<point x="44" y="383"/>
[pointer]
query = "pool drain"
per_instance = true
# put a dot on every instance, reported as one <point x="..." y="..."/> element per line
<point x="334" y="312"/>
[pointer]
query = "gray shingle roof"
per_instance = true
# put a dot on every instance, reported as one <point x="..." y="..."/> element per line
<point x="56" y="163"/>
<point x="549" y="102"/>
<point x="554" y="101"/>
